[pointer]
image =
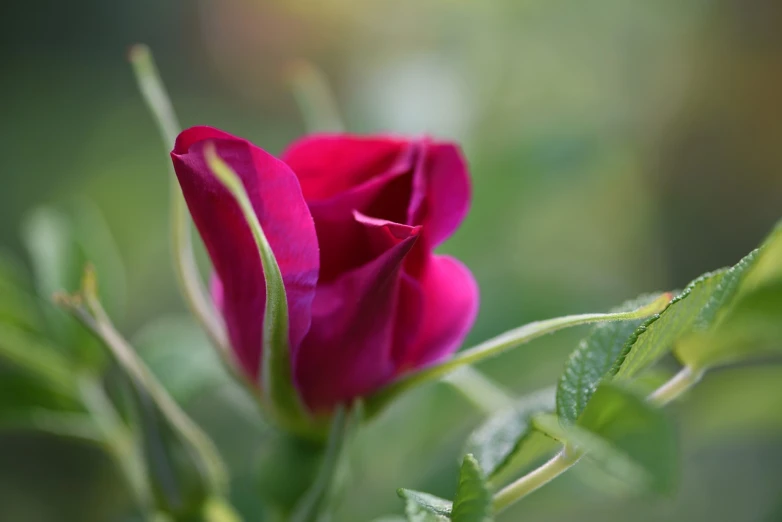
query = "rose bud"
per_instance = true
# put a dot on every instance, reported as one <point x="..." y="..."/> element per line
<point x="353" y="222"/>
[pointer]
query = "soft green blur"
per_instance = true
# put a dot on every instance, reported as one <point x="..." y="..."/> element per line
<point x="616" y="147"/>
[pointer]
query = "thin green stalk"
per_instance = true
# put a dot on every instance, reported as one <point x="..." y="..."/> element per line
<point x="185" y="266"/>
<point x="310" y="505"/>
<point x="503" y="343"/>
<point x="314" y="97"/>
<point x="674" y="388"/>
<point x="279" y="390"/>
<point x="481" y="391"/>
<point x="87" y="308"/>
<point x="118" y="441"/>
<point x="534" y="480"/>
<point x="38" y="357"/>
<point x="77" y="426"/>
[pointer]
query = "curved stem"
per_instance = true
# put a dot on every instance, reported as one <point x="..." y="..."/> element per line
<point x="185" y="266"/>
<point x="503" y="343"/>
<point x="118" y="441"/>
<point x="313" y="95"/>
<point x="188" y="278"/>
<point x="479" y="390"/>
<point x="88" y="310"/>
<point x="675" y="387"/>
<point x="530" y="482"/>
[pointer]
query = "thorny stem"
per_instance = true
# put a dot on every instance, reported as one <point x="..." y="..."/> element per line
<point x="675" y="387"/>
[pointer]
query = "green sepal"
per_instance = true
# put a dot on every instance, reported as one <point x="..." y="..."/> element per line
<point x="279" y="392"/>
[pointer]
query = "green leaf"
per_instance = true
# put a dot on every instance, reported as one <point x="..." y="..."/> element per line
<point x="508" y="435"/>
<point x="96" y="246"/>
<point x="18" y="306"/>
<point x="423" y="507"/>
<point x="638" y="430"/>
<point x="179" y="354"/>
<point x="657" y="335"/>
<point x="704" y="306"/>
<point x="473" y="501"/>
<point x="277" y="373"/>
<point x="767" y="268"/>
<point x="38" y="358"/>
<point x="220" y="510"/>
<point x="749" y="325"/>
<point x="56" y="265"/>
<point x="593" y="360"/>
<point x="30" y="404"/>
<point x="60" y="244"/>
<point x="20" y="395"/>
<point x="48" y="237"/>
<point x="62" y="424"/>
<point x="500" y="344"/>
<point x="737" y="340"/>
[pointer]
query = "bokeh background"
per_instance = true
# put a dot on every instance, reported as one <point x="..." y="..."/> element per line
<point x="616" y="147"/>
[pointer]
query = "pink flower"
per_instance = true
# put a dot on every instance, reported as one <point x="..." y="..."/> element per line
<point x="353" y="222"/>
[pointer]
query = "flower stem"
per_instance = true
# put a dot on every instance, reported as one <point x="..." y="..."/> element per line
<point x="118" y="441"/>
<point x="188" y="278"/>
<point x="530" y="482"/>
<point x="86" y="307"/>
<point x="503" y="343"/>
<point x="479" y="390"/>
<point x="676" y="386"/>
<point x="314" y="97"/>
<point x="185" y="267"/>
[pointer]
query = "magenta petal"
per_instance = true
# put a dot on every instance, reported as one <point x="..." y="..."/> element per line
<point x="450" y="305"/>
<point x="278" y="202"/>
<point x="339" y="233"/>
<point x="441" y="192"/>
<point x="218" y="294"/>
<point x="324" y="163"/>
<point x="347" y="352"/>
<point x="330" y="164"/>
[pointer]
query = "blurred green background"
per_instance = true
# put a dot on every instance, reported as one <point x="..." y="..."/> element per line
<point x="616" y="147"/>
